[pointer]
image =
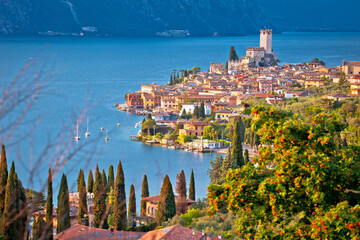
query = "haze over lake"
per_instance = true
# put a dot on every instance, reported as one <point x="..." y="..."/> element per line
<point x="104" y="69"/>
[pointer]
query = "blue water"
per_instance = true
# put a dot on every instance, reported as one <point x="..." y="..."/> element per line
<point x="102" y="70"/>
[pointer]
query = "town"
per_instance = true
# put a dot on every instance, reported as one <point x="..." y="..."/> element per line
<point x="193" y="110"/>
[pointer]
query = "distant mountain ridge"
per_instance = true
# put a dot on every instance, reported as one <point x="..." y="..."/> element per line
<point x="175" y="17"/>
<point x="131" y="17"/>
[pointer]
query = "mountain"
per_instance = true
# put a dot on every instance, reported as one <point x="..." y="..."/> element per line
<point x="312" y="15"/>
<point x="132" y="17"/>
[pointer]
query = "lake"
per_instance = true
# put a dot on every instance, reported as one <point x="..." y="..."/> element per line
<point x="102" y="70"/>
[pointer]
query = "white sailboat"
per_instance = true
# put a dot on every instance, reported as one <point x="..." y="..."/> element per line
<point x="106" y="138"/>
<point x="87" y="128"/>
<point x="77" y="138"/>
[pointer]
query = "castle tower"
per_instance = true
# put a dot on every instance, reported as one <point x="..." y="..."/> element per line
<point x="266" y="40"/>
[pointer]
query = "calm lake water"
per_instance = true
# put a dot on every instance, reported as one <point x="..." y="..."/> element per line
<point x="104" y="69"/>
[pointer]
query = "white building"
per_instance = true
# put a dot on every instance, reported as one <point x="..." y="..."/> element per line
<point x="189" y="107"/>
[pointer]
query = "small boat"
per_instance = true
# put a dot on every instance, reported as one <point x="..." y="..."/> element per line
<point x="136" y="125"/>
<point x="102" y="129"/>
<point x="77" y="138"/>
<point x="106" y="138"/>
<point x="118" y="124"/>
<point x="87" y="128"/>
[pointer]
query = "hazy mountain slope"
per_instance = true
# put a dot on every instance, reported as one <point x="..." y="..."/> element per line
<point x="313" y="15"/>
<point x="131" y="17"/>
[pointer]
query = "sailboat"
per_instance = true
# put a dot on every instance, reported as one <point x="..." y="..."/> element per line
<point x="106" y="138"/>
<point x="87" y="128"/>
<point x="77" y="138"/>
<point x="102" y="129"/>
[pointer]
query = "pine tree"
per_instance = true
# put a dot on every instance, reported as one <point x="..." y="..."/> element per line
<point x="15" y="212"/>
<point x="228" y="163"/>
<point x="192" y="186"/>
<point x="111" y="177"/>
<point x="202" y="110"/>
<point x="63" y="210"/>
<point x="180" y="189"/>
<point x="99" y="199"/>
<point x="90" y="184"/>
<point x="246" y="156"/>
<point x="232" y="55"/>
<point x="3" y="178"/>
<point x="237" y="151"/>
<point x="49" y="209"/>
<point x="83" y="210"/>
<point x="144" y="193"/>
<point x="132" y="203"/>
<point x="38" y="228"/>
<point x="215" y="172"/>
<point x="186" y="73"/>
<point x="166" y="208"/>
<point x="119" y="215"/>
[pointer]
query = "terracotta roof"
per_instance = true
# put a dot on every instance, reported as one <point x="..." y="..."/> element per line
<point x="176" y="233"/>
<point x="81" y="232"/>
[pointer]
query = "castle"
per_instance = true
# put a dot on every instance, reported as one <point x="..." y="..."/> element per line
<point x="262" y="56"/>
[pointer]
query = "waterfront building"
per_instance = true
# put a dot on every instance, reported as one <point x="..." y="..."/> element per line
<point x="350" y="68"/>
<point x="193" y="129"/>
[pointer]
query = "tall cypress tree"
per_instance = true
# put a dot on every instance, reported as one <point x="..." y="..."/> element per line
<point x="82" y="219"/>
<point x="99" y="199"/>
<point x="237" y="151"/>
<point x="180" y="189"/>
<point x="171" y="80"/>
<point x="144" y="193"/>
<point x="192" y="186"/>
<point x="202" y="109"/>
<point x="132" y="202"/>
<point x="104" y="179"/>
<point x="246" y="156"/>
<point x="111" y="177"/>
<point x="196" y="111"/>
<point x="3" y="178"/>
<point x="166" y="207"/>
<point x="119" y="215"/>
<point x="49" y="209"/>
<point x="233" y="55"/>
<point x="90" y="184"/>
<point x="15" y="213"/>
<point x="241" y="129"/>
<point x="63" y="210"/>
<point x="38" y="228"/>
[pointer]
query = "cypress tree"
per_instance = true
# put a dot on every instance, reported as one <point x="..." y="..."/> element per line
<point x="82" y="200"/>
<point x="215" y="172"/>
<point x="119" y="215"/>
<point x="183" y="112"/>
<point x="237" y="151"/>
<point x="180" y="189"/>
<point x="111" y="177"/>
<point x="233" y="55"/>
<point x="99" y="199"/>
<point x="227" y="65"/>
<point x="242" y="129"/>
<point x="246" y="156"/>
<point x="132" y="202"/>
<point x="49" y="209"/>
<point x="104" y="180"/>
<point x="144" y="193"/>
<point x="90" y="184"/>
<point x="166" y="208"/>
<point x="38" y="228"/>
<point x="3" y="178"/>
<point x="196" y="111"/>
<point x="171" y="80"/>
<point x="202" y="110"/>
<point x="14" y="216"/>
<point x="192" y="186"/>
<point x="63" y="210"/>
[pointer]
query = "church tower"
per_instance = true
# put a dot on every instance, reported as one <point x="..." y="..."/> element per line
<point x="266" y="40"/>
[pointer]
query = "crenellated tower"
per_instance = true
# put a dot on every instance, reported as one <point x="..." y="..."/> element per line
<point x="266" y="40"/>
